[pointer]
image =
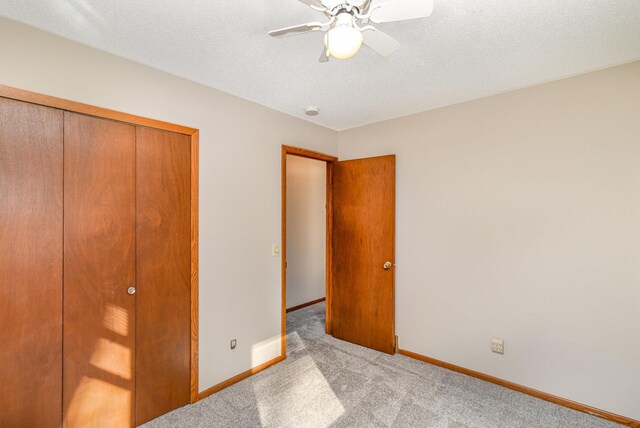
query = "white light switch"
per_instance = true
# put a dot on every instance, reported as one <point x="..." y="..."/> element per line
<point x="275" y="250"/>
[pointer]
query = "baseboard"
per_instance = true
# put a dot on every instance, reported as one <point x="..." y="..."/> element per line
<point x="304" y="305"/>
<point x="237" y="378"/>
<point x="526" y="390"/>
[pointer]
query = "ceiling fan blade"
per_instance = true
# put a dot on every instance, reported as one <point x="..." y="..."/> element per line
<point x="366" y="6"/>
<point x="379" y="41"/>
<point x="400" y="10"/>
<point x="361" y="5"/>
<point x="316" y="4"/>
<point x="296" y="29"/>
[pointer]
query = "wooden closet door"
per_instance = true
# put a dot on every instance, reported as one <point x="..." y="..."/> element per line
<point x="99" y="266"/>
<point x="163" y="228"/>
<point x="30" y="265"/>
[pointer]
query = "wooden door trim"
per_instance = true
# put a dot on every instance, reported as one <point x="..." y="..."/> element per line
<point x="195" y="156"/>
<point x="310" y="154"/>
<point x="524" y="389"/>
<point x="76" y="107"/>
<point x="104" y="113"/>
<point x="304" y="305"/>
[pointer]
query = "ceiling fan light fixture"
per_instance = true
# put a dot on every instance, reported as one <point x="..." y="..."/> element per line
<point x="344" y="40"/>
<point x="349" y="25"/>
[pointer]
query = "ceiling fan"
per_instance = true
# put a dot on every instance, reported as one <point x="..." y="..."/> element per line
<point x="348" y="25"/>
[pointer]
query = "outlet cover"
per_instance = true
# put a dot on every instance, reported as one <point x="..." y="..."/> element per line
<point x="497" y="345"/>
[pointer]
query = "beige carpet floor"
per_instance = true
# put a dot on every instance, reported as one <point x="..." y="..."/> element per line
<point x="325" y="382"/>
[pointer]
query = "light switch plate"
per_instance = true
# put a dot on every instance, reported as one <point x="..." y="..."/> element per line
<point x="275" y="250"/>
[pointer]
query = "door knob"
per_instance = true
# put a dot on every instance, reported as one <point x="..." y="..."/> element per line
<point x="131" y="291"/>
<point x="387" y="265"/>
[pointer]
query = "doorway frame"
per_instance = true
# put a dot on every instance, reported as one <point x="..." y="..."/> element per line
<point x="89" y="110"/>
<point x="329" y="160"/>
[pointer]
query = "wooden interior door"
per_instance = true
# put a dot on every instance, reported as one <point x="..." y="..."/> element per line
<point x="363" y="235"/>
<point x="30" y="265"/>
<point x="99" y="266"/>
<point x="163" y="225"/>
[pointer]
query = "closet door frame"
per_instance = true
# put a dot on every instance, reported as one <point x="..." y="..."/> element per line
<point x="72" y="106"/>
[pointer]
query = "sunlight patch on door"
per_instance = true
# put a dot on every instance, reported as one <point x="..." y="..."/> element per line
<point x="116" y="319"/>
<point x="97" y="402"/>
<point x="112" y="358"/>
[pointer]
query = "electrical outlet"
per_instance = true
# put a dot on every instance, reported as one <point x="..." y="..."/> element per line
<point x="233" y="343"/>
<point x="497" y="345"/>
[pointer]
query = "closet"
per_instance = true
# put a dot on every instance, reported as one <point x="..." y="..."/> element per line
<point x="95" y="269"/>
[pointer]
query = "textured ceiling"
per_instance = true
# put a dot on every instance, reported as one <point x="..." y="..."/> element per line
<point x="467" y="49"/>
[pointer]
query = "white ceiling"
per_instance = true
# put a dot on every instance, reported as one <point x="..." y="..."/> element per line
<point x="467" y="49"/>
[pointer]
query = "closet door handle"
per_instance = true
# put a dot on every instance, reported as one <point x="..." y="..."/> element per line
<point x="131" y="291"/>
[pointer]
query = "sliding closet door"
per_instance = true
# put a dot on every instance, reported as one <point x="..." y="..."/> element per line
<point x="163" y="225"/>
<point x="99" y="267"/>
<point x="30" y="265"/>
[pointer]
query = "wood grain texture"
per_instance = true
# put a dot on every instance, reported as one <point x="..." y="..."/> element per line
<point x="283" y="253"/>
<point x="362" y="295"/>
<point x="99" y="266"/>
<point x="306" y="153"/>
<point x="329" y="248"/>
<point x="304" y="305"/>
<point x="36" y="101"/>
<point x="237" y="378"/>
<point x="163" y="272"/>
<point x="194" y="262"/>
<point x="526" y="390"/>
<point x="72" y="106"/>
<point x="31" y="162"/>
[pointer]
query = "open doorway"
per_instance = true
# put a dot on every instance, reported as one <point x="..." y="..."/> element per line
<point x="306" y="231"/>
<point x="359" y="251"/>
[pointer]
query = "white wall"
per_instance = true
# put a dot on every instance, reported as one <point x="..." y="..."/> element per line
<point x="306" y="229"/>
<point x="518" y="216"/>
<point x="240" y="149"/>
